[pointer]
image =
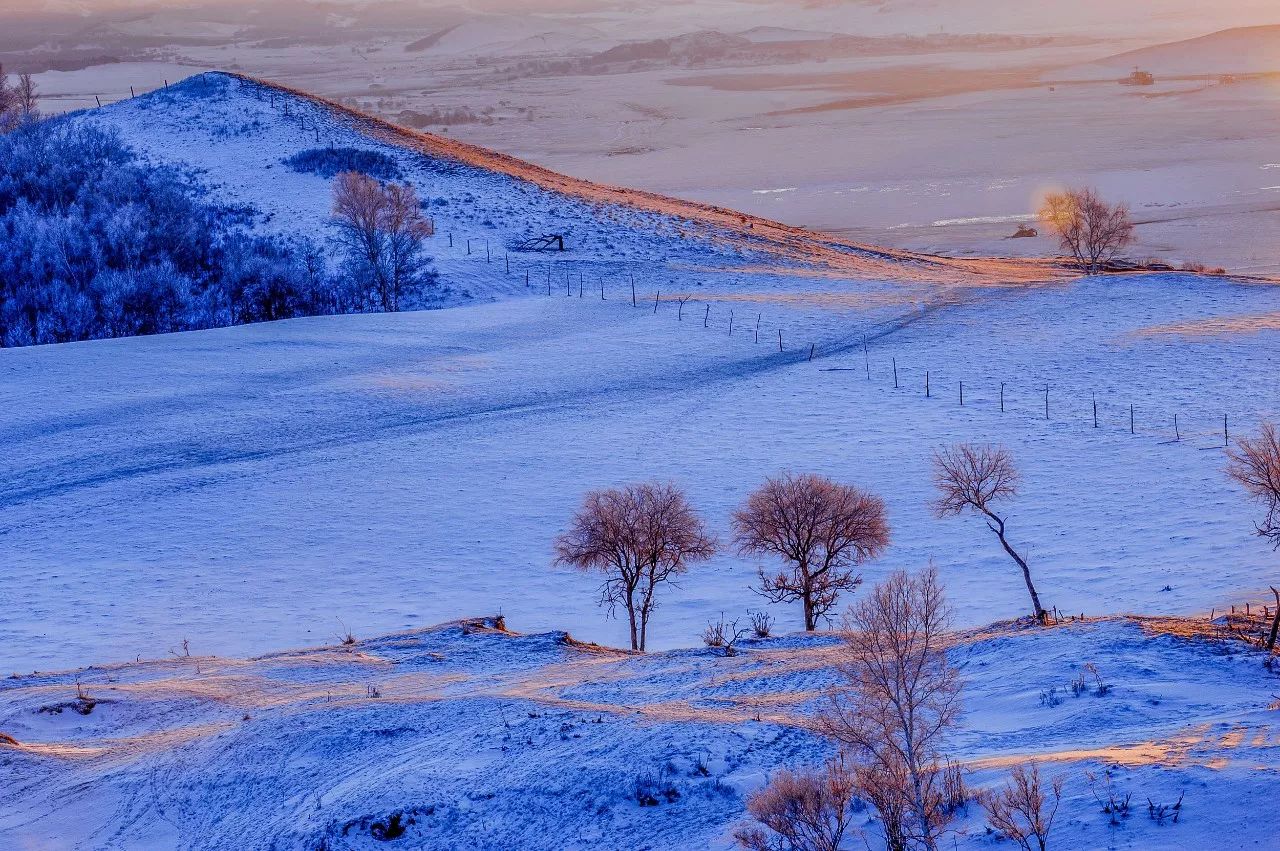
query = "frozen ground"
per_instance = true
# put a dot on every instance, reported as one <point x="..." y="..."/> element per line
<point x="248" y="489"/>
<point x="464" y="733"/>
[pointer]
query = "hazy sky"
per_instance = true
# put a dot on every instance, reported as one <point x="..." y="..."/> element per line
<point x="1102" y="18"/>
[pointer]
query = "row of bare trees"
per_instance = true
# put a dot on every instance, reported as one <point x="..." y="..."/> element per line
<point x="899" y="696"/>
<point x="642" y="536"/>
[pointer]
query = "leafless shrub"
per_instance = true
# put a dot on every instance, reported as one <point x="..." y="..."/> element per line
<point x="975" y="478"/>
<point x="1159" y="812"/>
<point x="801" y="811"/>
<point x="1023" y="811"/>
<point x="821" y="529"/>
<point x="901" y="698"/>
<point x="762" y="624"/>
<point x="185" y="654"/>
<point x="882" y="786"/>
<point x="1112" y="801"/>
<point x="639" y="537"/>
<point x="724" y="634"/>
<point x="383" y="229"/>
<point x="1100" y="688"/>
<point x="372" y="690"/>
<point x="955" y="791"/>
<point x="650" y="788"/>
<point x="345" y="637"/>
<point x="1092" y="230"/>
<point x="1255" y="464"/>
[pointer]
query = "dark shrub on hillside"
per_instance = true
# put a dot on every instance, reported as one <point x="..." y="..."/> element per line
<point x="96" y="243"/>
<point x="328" y="162"/>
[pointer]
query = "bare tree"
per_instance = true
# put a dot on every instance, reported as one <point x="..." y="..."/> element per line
<point x="18" y="102"/>
<point x="822" y="529"/>
<point x="900" y="699"/>
<point x="1255" y="464"/>
<point x="1022" y="811"/>
<point x="25" y="96"/>
<point x="7" y="97"/>
<point x="1092" y="230"/>
<point x="969" y="476"/>
<point x="639" y="537"/>
<point x="383" y="230"/>
<point x="801" y="811"/>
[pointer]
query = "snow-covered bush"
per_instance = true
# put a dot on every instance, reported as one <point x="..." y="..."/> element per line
<point x="330" y="162"/>
<point x="96" y="243"/>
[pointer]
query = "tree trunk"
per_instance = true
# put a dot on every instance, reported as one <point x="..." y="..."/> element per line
<point x="631" y="615"/>
<point x="1275" y="622"/>
<point x="1036" y="608"/>
<point x="807" y="597"/>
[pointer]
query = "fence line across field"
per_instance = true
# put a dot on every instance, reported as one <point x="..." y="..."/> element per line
<point x="571" y="278"/>
<point x="475" y="245"/>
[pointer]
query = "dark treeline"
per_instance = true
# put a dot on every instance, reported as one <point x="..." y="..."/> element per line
<point x="95" y="242"/>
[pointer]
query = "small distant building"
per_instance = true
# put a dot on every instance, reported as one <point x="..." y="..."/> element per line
<point x="1139" y="78"/>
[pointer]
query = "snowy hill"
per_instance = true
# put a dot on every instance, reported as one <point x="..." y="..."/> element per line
<point x="236" y="133"/>
<point x="1243" y="50"/>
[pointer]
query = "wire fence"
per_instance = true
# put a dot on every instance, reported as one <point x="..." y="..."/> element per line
<point x="571" y="278"/>
<point x="873" y="361"/>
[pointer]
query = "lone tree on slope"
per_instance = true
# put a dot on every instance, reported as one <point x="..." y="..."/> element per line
<point x="899" y="700"/>
<point x="820" y="528"/>
<point x="976" y="478"/>
<point x="639" y="537"/>
<point x="1255" y="464"/>
<point x="1092" y="230"/>
<point x="383" y="230"/>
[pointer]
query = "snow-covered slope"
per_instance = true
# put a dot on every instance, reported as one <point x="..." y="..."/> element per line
<point x="466" y="736"/>
<point x="235" y="491"/>
<point x="395" y="470"/>
<point x="237" y="132"/>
